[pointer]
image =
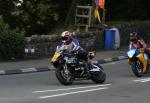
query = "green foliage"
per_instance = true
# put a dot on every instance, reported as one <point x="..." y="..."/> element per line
<point x="34" y="16"/>
<point x="12" y="42"/>
<point x="43" y="16"/>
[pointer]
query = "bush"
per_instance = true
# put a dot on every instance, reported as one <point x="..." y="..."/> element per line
<point x="12" y="42"/>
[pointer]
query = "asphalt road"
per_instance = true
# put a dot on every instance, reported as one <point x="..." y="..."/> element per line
<point x="121" y="86"/>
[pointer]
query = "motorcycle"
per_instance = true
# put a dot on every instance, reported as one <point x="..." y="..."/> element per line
<point x="69" y="68"/>
<point x="138" y="60"/>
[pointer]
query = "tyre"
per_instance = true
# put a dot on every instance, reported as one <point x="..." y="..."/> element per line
<point x="137" y="68"/>
<point x="63" y="78"/>
<point x="98" y="76"/>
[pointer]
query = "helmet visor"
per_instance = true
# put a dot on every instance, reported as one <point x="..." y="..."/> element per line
<point x="64" y="38"/>
<point x="133" y="39"/>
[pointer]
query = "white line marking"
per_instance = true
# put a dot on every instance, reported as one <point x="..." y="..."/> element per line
<point x="51" y="67"/>
<point x="28" y="70"/>
<point x="63" y="94"/>
<point x="2" y="72"/>
<point x="122" y="57"/>
<point x="65" y="89"/>
<point x="108" y="59"/>
<point x="142" y="80"/>
<point x="145" y="81"/>
<point x="108" y="64"/>
<point x="112" y="63"/>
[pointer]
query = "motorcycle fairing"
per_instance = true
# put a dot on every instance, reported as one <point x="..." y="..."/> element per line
<point x="55" y="57"/>
<point x="143" y="61"/>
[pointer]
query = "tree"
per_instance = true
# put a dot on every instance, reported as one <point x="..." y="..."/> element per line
<point x="12" y="41"/>
<point x="42" y="16"/>
<point x="35" y="16"/>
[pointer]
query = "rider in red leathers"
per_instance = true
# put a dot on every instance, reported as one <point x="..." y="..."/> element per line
<point x="137" y="43"/>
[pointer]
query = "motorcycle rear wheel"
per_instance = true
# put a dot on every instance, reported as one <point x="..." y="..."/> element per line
<point x="99" y="77"/>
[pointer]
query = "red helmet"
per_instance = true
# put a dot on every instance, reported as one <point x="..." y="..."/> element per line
<point x="66" y="36"/>
<point x="133" y="36"/>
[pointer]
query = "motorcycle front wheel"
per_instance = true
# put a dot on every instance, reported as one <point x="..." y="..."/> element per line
<point x="137" y="68"/>
<point x="63" y="77"/>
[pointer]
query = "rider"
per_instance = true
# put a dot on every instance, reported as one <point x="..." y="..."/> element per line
<point x="136" y="42"/>
<point x="70" y="43"/>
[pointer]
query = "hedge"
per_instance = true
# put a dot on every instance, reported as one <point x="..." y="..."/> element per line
<point x="12" y="42"/>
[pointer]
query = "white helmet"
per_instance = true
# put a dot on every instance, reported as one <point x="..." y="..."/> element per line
<point x="66" y="36"/>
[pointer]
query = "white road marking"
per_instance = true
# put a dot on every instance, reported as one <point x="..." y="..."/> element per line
<point x="142" y="80"/>
<point x="108" y="59"/>
<point x="26" y="70"/>
<point x="63" y="94"/>
<point x="112" y="63"/>
<point x="122" y="57"/>
<point x="2" y="72"/>
<point x="109" y="64"/>
<point x="51" y="67"/>
<point x="65" y="89"/>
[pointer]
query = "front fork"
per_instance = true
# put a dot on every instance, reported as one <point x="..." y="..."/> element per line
<point x="66" y="69"/>
<point x="142" y="60"/>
